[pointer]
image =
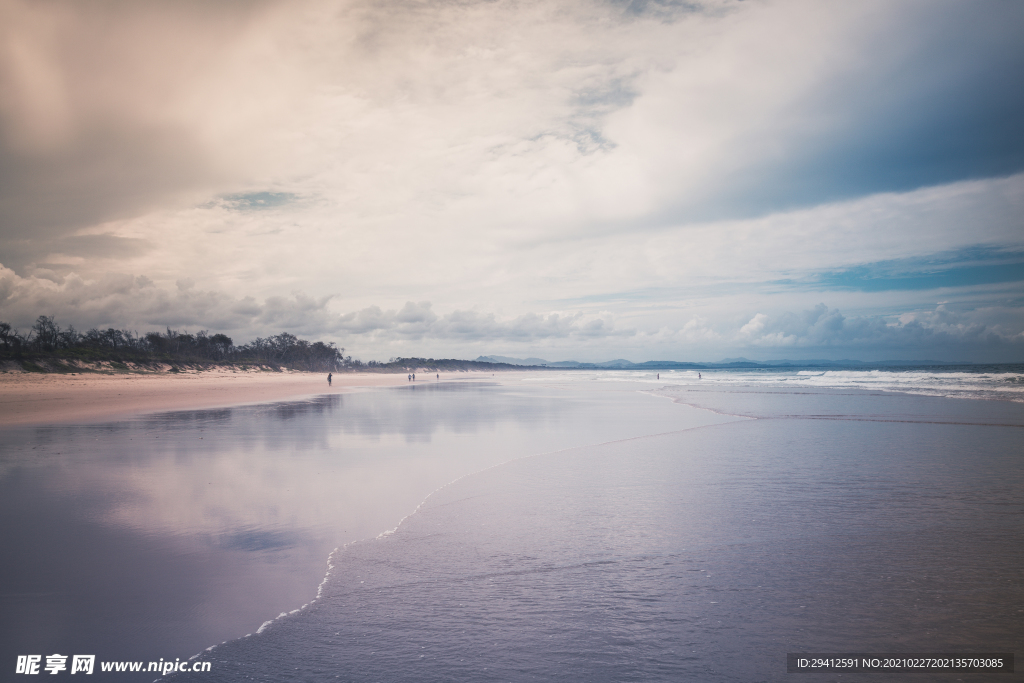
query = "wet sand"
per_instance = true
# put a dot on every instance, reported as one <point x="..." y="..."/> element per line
<point x="835" y="522"/>
<point x="29" y="398"/>
<point x="161" y="535"/>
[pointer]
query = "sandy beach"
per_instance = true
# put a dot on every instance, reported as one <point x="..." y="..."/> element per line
<point x="29" y="398"/>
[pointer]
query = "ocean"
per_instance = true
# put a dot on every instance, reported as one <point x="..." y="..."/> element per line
<point x="605" y="526"/>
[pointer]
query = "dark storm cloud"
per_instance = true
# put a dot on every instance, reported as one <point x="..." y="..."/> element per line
<point x="100" y="175"/>
<point x="929" y="95"/>
<point x="933" y="97"/>
<point x="85" y="131"/>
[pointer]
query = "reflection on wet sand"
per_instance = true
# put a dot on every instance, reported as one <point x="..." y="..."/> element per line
<point x="162" y="535"/>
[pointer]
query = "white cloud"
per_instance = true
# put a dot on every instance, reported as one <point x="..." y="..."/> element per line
<point x="640" y="182"/>
<point x="939" y="331"/>
<point x="945" y="331"/>
<point x="135" y="303"/>
<point x="416" y="321"/>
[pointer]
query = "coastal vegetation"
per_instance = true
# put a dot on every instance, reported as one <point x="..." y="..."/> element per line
<point x="48" y="347"/>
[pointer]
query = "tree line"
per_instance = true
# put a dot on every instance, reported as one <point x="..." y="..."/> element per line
<point x="47" y="339"/>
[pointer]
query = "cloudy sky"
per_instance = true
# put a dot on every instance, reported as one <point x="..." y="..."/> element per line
<point x="584" y="179"/>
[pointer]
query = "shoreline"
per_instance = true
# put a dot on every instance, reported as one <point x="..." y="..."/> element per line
<point x="61" y="398"/>
<point x="27" y="399"/>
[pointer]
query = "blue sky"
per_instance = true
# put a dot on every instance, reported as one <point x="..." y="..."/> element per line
<point x="559" y="179"/>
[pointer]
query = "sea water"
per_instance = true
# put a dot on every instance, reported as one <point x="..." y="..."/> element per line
<point x="591" y="527"/>
<point x="155" y="538"/>
<point x="839" y="519"/>
<point x="994" y="382"/>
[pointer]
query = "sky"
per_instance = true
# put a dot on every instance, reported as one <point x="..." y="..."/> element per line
<point x="563" y="179"/>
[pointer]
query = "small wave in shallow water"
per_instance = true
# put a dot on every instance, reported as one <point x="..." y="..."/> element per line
<point x="705" y="554"/>
<point x="999" y="382"/>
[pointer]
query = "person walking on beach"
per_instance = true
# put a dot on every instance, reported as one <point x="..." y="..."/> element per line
<point x="328" y="379"/>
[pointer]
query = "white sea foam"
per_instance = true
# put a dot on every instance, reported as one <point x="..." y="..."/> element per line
<point x="954" y="383"/>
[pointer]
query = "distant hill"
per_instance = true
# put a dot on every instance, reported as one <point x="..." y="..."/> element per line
<point x="512" y="361"/>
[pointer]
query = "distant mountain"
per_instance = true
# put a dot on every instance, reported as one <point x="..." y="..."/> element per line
<point x="618" y="363"/>
<point x="513" y="361"/>
<point x="669" y="365"/>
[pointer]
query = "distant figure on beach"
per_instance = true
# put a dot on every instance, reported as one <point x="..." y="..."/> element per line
<point x="659" y="375"/>
<point x="439" y="375"/>
<point x="409" y="377"/>
<point x="328" y="379"/>
<point x="698" y="375"/>
<point x="414" y="377"/>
